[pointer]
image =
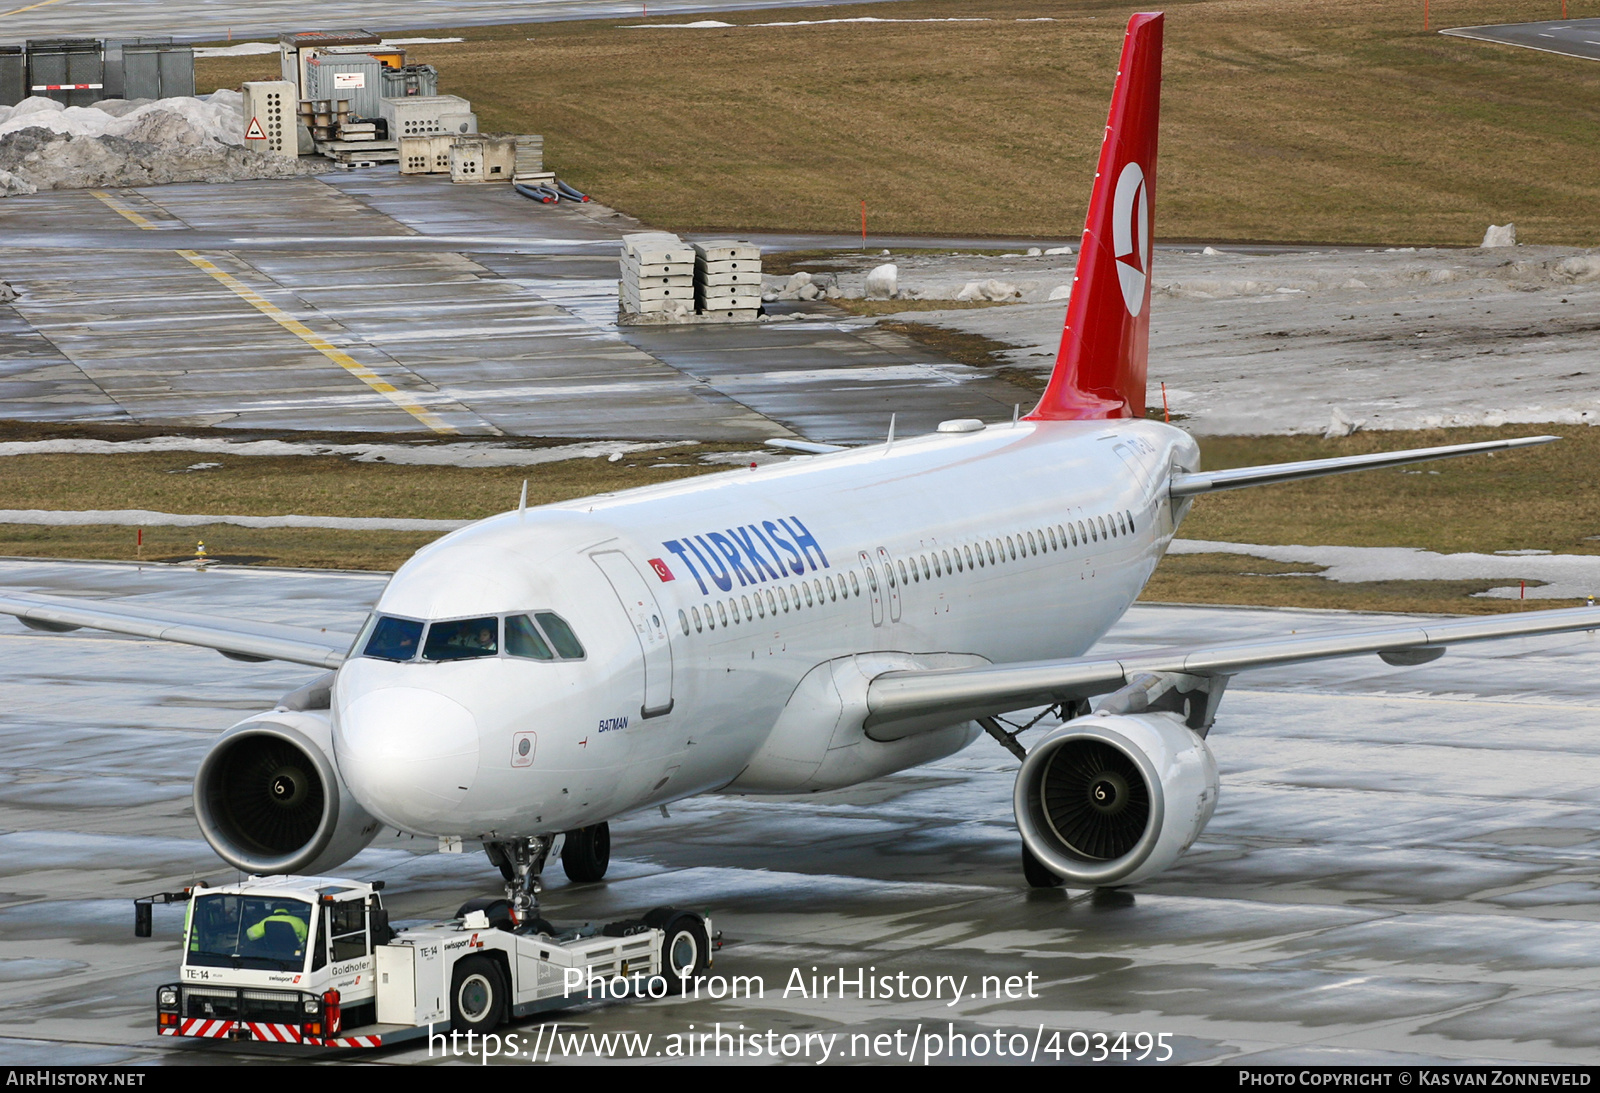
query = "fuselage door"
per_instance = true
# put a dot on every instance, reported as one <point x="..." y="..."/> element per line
<point x="649" y="626"/>
<point x="894" y="585"/>
<point x="870" y="576"/>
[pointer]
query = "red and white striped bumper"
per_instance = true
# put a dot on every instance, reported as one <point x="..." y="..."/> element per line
<point x="260" y="1031"/>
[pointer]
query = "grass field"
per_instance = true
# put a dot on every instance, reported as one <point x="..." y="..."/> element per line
<point x="1339" y="120"/>
<point x="1537" y="498"/>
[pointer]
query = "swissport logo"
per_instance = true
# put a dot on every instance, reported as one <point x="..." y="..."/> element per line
<point x="1130" y="235"/>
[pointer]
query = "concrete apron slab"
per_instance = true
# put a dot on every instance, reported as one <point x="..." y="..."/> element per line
<point x="1402" y="867"/>
<point x="819" y="377"/>
<point x="345" y="336"/>
<point x="324" y="304"/>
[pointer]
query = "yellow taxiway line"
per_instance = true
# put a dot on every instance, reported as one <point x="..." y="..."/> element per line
<point x="293" y="325"/>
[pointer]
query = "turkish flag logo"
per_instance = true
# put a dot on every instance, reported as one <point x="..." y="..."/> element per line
<point x="661" y="569"/>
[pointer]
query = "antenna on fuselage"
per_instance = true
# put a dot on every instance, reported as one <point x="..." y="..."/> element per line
<point x="522" y="502"/>
<point x="1016" y="412"/>
<point x="887" y="444"/>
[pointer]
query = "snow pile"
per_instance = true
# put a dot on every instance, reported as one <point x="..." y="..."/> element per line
<point x="1565" y="576"/>
<point x="805" y="286"/>
<point x="989" y="290"/>
<point x="460" y="454"/>
<point x="1500" y="235"/>
<point x="45" y="146"/>
<point x="1340" y="424"/>
<point x="261" y="49"/>
<point x="883" y="282"/>
<point x="150" y="519"/>
<point x="1579" y="268"/>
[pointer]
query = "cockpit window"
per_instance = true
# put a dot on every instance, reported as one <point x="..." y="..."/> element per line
<point x="568" y="647"/>
<point x="463" y="639"/>
<point x="524" y="640"/>
<point x="537" y="636"/>
<point x="393" y="639"/>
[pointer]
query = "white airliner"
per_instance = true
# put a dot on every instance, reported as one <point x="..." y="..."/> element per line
<point x="804" y="626"/>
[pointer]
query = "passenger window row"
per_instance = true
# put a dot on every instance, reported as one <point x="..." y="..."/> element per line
<point x="769" y="601"/>
<point x="1008" y="548"/>
<point x="540" y="635"/>
<point x="940" y="562"/>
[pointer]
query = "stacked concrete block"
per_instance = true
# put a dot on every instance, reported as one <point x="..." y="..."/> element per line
<point x="657" y="277"/>
<point x="529" y="156"/>
<point x="727" y="279"/>
<point x="426" y="115"/>
<point x="484" y="158"/>
<point x="429" y="155"/>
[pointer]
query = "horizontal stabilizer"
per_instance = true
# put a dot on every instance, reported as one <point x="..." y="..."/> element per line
<point x="1188" y="485"/>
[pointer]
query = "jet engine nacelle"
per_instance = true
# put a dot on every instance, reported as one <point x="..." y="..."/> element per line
<point x="270" y="800"/>
<point x="1111" y="799"/>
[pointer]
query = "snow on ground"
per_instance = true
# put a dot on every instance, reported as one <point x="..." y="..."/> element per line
<point x="712" y="24"/>
<point x="1262" y="344"/>
<point x="1567" y="576"/>
<point x="256" y="49"/>
<point x="118" y="142"/>
<point x="478" y="454"/>
<point x="149" y="519"/>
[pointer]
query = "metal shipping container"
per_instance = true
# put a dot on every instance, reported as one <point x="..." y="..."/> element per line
<point x="356" y="78"/>
<point x="412" y="81"/>
<point x="294" y="50"/>
<point x="115" y="81"/>
<point x="151" y="71"/>
<point x="69" y="70"/>
<point x="13" y="75"/>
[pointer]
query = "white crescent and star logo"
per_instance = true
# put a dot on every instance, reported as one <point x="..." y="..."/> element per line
<point x="1130" y="235"/>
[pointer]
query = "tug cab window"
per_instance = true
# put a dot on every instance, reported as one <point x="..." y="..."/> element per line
<point x="347" y="930"/>
<point x="249" y="932"/>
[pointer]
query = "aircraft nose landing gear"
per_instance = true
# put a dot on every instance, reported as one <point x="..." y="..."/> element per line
<point x="520" y="862"/>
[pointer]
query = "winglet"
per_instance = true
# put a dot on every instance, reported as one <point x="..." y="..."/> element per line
<point x="1100" y="370"/>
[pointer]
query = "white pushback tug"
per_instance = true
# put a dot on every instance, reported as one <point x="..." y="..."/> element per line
<point x="314" y="961"/>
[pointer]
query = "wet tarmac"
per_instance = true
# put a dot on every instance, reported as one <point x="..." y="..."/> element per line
<point x="369" y="301"/>
<point x="1571" y="37"/>
<point x="199" y="21"/>
<point x="1404" y="865"/>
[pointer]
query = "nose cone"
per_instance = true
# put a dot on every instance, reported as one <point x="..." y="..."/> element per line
<point x="408" y="755"/>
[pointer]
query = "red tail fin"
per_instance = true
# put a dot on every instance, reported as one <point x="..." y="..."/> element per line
<point x="1100" y="371"/>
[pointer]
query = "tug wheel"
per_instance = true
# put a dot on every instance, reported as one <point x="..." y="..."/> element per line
<point x="477" y="996"/>
<point x="685" y="950"/>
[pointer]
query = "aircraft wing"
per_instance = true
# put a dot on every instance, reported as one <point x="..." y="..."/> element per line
<point x="235" y="638"/>
<point x="958" y="694"/>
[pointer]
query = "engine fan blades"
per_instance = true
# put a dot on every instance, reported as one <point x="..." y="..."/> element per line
<point x="1096" y="799"/>
<point x="271" y="794"/>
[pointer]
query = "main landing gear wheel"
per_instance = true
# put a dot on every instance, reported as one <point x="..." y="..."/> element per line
<point x="477" y="996"/>
<point x="1038" y="874"/>
<point x="685" y="951"/>
<point x="586" y="853"/>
